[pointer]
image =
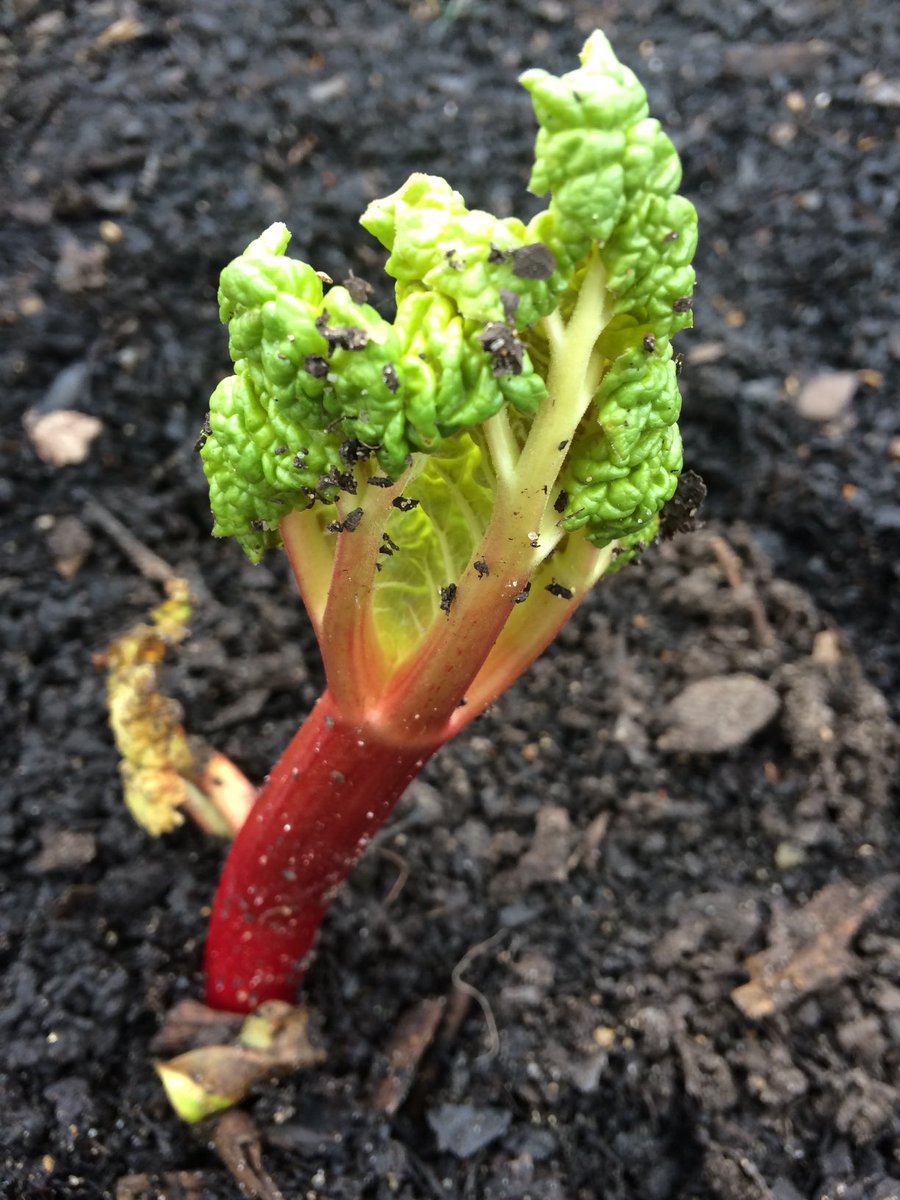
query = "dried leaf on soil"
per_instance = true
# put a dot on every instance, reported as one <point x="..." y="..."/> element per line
<point x="808" y="947"/>
<point x="273" y="1040"/>
<point x="412" y="1037"/>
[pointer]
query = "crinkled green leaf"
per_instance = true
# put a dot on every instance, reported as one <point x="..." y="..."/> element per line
<point x="584" y="118"/>
<point x="648" y="260"/>
<point x="322" y="382"/>
<point x="485" y="264"/>
<point x="612" y="174"/>
<point x="626" y="460"/>
<point x="633" y="545"/>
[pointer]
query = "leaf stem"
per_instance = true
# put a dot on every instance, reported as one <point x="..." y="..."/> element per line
<point x="502" y="445"/>
<point x="354" y="663"/>
<point x="311" y="556"/>
<point x="335" y="785"/>
<point x="569" y="389"/>
<point x="433" y="682"/>
<point x="530" y="630"/>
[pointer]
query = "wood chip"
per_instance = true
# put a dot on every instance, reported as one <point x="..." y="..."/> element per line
<point x="150" y="565"/>
<point x="457" y="1005"/>
<point x="412" y="1036"/>
<point x="125" y="29"/>
<point x="808" y="948"/>
<point x="587" y="851"/>
<point x="760" y="60"/>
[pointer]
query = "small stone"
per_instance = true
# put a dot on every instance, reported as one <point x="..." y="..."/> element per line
<point x="584" y="1073"/>
<point x="717" y="714"/>
<point x="464" y="1130"/>
<point x="63" y="850"/>
<point x="61" y="438"/>
<point x="70" y="543"/>
<point x="875" y="89"/>
<point x="68" y="389"/>
<point x="788" y="855"/>
<point x="827" y="396"/>
<point x="826" y="647"/>
<point x="604" y="1036"/>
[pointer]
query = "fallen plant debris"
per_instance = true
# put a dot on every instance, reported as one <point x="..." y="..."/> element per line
<point x="236" y="1140"/>
<point x="163" y="772"/>
<point x="809" y="948"/>
<point x="410" y="1041"/>
<point x="189" y="1025"/>
<point x="273" y="1040"/>
<point x="150" y="565"/>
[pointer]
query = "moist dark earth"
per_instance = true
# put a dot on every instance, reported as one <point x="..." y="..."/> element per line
<point x="584" y="875"/>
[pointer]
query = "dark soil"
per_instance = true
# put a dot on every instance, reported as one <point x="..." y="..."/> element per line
<point x="617" y="1059"/>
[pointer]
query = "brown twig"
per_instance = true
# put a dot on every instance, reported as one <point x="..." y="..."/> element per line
<point x="731" y="567"/>
<point x="150" y="565"/>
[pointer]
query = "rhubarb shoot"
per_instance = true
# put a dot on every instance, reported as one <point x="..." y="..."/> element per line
<point x="448" y="485"/>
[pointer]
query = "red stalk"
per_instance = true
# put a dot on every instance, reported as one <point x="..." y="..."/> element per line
<point x="364" y="742"/>
<point x="331" y="790"/>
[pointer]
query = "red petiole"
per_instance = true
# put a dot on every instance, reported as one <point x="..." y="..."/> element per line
<point x="349" y="763"/>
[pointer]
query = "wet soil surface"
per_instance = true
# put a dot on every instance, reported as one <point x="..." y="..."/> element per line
<point x="654" y="885"/>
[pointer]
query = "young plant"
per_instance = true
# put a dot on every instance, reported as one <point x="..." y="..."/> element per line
<point x="448" y="485"/>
